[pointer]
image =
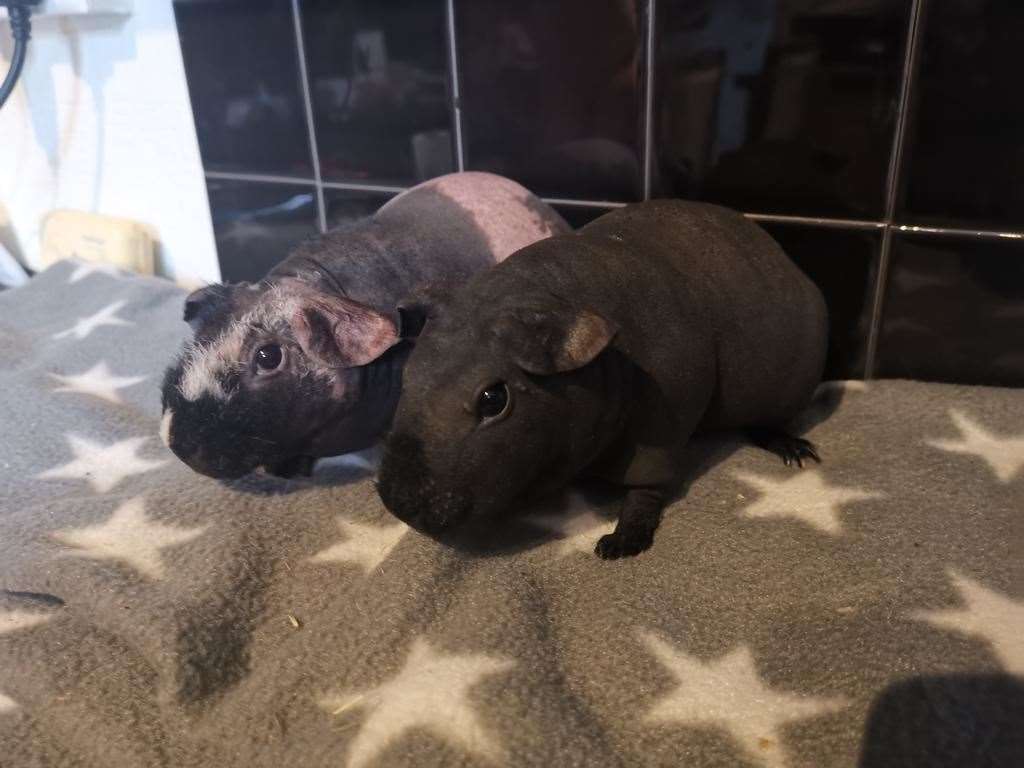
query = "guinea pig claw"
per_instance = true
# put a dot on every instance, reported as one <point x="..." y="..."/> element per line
<point x="790" y="449"/>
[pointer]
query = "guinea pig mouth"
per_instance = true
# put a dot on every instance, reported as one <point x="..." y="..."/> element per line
<point x="410" y="493"/>
<point x="212" y="463"/>
<point x="219" y="467"/>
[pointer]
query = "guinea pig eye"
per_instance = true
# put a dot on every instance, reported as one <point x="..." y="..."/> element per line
<point x="268" y="357"/>
<point x="493" y="401"/>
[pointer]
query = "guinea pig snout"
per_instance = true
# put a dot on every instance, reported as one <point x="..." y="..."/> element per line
<point x="411" y="492"/>
<point x="191" y="448"/>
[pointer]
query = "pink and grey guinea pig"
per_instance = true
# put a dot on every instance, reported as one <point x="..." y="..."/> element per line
<point x="308" y="362"/>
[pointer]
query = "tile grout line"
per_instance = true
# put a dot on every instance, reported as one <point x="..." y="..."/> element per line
<point x="311" y="129"/>
<point x="259" y="178"/>
<point x="648" y="98"/>
<point x="453" y="68"/>
<point x="354" y="186"/>
<point x="815" y="221"/>
<point x="851" y="225"/>
<point x="978" y="234"/>
<point x="892" y="185"/>
<point x="609" y="204"/>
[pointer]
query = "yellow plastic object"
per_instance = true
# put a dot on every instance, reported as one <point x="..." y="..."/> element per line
<point x="101" y="239"/>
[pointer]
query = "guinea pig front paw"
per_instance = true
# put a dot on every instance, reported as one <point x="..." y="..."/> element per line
<point x="627" y="543"/>
<point x="792" y="450"/>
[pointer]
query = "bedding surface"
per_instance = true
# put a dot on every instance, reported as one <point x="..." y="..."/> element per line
<point x="867" y="611"/>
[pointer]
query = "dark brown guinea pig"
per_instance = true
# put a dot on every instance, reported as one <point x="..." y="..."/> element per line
<point x="600" y="353"/>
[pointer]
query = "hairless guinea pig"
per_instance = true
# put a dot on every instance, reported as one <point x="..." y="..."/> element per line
<point x="600" y="353"/>
<point x="307" y="362"/>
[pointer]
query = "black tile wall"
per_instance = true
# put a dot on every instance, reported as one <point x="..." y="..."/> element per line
<point x="378" y="75"/>
<point x="844" y="265"/>
<point x="580" y="215"/>
<point x="551" y="94"/>
<point x="785" y="107"/>
<point x="965" y="162"/>
<point x="954" y="311"/>
<point x="243" y="78"/>
<point x="791" y="109"/>
<point x="345" y="205"/>
<point x="255" y="225"/>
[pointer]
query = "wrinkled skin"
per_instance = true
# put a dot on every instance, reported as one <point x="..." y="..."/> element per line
<point x="603" y="351"/>
<point x="309" y="406"/>
<point x="308" y="362"/>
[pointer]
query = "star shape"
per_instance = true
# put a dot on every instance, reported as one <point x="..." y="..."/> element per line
<point x="11" y="621"/>
<point x="728" y="693"/>
<point x="431" y="691"/>
<point x="1005" y="455"/>
<point x="805" y="496"/>
<point x="85" y="268"/>
<point x="130" y="537"/>
<point x="86" y="325"/>
<point x="98" y="382"/>
<point x="987" y="615"/>
<point x="364" y="545"/>
<point x="578" y="528"/>
<point x="102" y="466"/>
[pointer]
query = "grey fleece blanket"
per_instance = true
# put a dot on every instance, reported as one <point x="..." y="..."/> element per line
<point x="868" y="611"/>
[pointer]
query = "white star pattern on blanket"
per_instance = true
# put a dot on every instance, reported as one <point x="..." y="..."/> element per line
<point x="11" y="621"/>
<point x="129" y="537"/>
<point x="579" y="527"/>
<point x="803" y="496"/>
<point x="98" y="382"/>
<point x="365" y="545"/>
<point x="102" y="466"/>
<point x="86" y="325"/>
<point x="85" y="268"/>
<point x="987" y="615"/>
<point x="1005" y="455"/>
<point x="14" y="620"/>
<point x="728" y="693"/>
<point x="431" y="691"/>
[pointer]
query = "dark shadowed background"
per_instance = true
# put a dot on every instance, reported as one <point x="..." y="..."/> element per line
<point x="878" y="140"/>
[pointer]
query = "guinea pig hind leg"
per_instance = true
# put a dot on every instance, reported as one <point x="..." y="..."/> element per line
<point x="784" y="445"/>
<point x="638" y="520"/>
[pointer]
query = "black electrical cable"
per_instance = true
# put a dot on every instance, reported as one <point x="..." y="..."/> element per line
<point x="19" y="13"/>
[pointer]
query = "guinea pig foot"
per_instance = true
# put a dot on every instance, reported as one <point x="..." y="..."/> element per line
<point x="790" y="449"/>
<point x="297" y="465"/>
<point x="627" y="543"/>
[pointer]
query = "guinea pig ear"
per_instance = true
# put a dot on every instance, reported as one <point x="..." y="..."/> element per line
<point x="549" y="341"/>
<point x="341" y="333"/>
<point x="202" y="303"/>
<point x="422" y="305"/>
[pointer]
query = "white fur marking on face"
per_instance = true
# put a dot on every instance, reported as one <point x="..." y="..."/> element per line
<point x="165" y="427"/>
<point x="207" y="364"/>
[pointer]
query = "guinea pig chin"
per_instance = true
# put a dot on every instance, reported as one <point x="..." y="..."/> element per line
<point x="210" y="457"/>
<point x="411" y="493"/>
<point x="216" y="465"/>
